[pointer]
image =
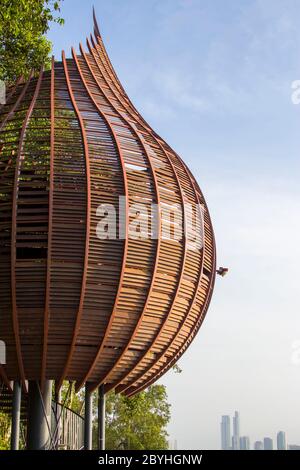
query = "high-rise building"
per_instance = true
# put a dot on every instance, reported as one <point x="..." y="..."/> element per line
<point x="258" y="445"/>
<point x="236" y="431"/>
<point x="245" y="443"/>
<point x="225" y="433"/>
<point x="281" y="441"/>
<point x="268" y="443"/>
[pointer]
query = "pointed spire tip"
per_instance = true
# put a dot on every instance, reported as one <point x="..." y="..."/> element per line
<point x="96" y="27"/>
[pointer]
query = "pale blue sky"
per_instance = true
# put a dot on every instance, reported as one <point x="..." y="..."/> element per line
<point x="214" y="79"/>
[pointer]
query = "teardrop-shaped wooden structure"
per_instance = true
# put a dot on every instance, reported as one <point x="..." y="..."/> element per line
<point x="115" y="312"/>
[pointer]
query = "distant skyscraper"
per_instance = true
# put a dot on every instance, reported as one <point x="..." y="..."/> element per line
<point x="245" y="443"/>
<point x="281" y="441"/>
<point x="258" y="445"/>
<point x="225" y="432"/>
<point x="236" y="431"/>
<point x="268" y="443"/>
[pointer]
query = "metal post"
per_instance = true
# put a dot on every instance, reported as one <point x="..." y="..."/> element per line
<point x="16" y="414"/>
<point x="58" y="416"/>
<point x="39" y="416"/>
<point x="101" y="418"/>
<point x="88" y="418"/>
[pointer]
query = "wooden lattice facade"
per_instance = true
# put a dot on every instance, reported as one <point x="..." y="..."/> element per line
<point x="115" y="312"/>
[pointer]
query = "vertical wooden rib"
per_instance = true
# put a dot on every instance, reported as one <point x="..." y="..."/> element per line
<point x="14" y="232"/>
<point x="50" y="228"/>
<point x="112" y="316"/>
<point x="8" y="112"/>
<point x="104" y="258"/>
<point x="96" y="27"/>
<point x="87" y="237"/>
<point x="99" y="38"/>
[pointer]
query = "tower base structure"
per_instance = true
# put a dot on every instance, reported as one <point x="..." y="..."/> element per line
<point x="39" y="416"/>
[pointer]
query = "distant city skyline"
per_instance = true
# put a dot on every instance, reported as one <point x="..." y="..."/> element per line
<point x="242" y="442"/>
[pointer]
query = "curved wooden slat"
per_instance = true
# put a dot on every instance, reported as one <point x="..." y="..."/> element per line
<point x="87" y="375"/>
<point x="100" y="42"/>
<point x="96" y="27"/>
<point x="98" y="39"/>
<point x="87" y="236"/>
<point x="68" y="227"/>
<point x="6" y="190"/>
<point x="14" y="232"/>
<point x="50" y="228"/>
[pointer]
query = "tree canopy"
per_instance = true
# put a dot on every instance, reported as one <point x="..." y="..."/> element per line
<point x="138" y="423"/>
<point x="23" y="45"/>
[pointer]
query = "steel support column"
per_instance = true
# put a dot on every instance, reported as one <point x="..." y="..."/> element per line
<point x="58" y="416"/>
<point x="39" y="416"/>
<point x="101" y="418"/>
<point x="88" y="418"/>
<point x="16" y="414"/>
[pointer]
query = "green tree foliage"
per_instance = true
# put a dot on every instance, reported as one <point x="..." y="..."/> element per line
<point x="23" y="45"/>
<point x="138" y="423"/>
<point x="72" y="400"/>
<point x="5" y="426"/>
